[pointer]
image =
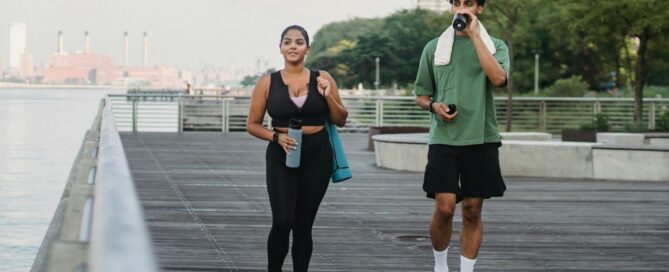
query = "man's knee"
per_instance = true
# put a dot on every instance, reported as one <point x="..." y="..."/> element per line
<point x="471" y="210"/>
<point x="445" y="209"/>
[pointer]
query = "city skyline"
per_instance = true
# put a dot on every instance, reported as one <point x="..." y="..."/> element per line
<point x="189" y="35"/>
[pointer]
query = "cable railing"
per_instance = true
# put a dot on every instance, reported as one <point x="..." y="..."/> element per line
<point x="177" y="113"/>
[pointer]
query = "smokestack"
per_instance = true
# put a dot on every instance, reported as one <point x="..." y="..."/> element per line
<point x="146" y="50"/>
<point x="60" y="41"/>
<point x="87" y="43"/>
<point x="125" y="48"/>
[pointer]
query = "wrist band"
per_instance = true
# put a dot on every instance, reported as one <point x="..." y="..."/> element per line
<point x="430" y="106"/>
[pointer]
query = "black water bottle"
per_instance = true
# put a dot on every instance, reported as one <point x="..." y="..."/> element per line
<point x="451" y="109"/>
<point x="460" y="21"/>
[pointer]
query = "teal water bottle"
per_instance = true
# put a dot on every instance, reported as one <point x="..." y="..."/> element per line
<point x="294" y="132"/>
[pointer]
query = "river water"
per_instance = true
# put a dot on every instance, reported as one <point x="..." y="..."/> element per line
<point x="41" y="131"/>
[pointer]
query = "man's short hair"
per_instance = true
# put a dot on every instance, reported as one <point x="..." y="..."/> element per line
<point x="479" y="2"/>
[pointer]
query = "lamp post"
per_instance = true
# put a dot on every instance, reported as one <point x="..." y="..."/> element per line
<point x="377" y="82"/>
<point x="536" y="73"/>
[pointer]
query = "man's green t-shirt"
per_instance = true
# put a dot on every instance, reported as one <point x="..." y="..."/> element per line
<point x="464" y="83"/>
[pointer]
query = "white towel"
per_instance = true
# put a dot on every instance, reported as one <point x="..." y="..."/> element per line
<point x="445" y="45"/>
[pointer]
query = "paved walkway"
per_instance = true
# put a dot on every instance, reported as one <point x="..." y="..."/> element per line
<point x="205" y="200"/>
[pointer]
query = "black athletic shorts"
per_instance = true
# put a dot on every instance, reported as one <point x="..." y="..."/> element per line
<point x="466" y="171"/>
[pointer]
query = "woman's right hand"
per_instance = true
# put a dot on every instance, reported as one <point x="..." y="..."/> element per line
<point x="287" y="143"/>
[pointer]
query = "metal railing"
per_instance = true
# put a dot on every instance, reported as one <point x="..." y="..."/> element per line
<point x="119" y="239"/>
<point x="228" y="113"/>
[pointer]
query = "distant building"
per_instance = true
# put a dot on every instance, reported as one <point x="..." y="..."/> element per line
<point x="66" y="75"/>
<point x="74" y="68"/>
<point x="84" y="67"/>
<point x="17" y="43"/>
<point x="79" y="59"/>
<point x="433" y="5"/>
<point x="27" y="66"/>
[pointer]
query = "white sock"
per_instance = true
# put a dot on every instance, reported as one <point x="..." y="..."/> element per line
<point x="466" y="265"/>
<point x="440" y="260"/>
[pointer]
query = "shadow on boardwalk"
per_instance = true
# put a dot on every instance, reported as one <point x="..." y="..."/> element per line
<point x="205" y="201"/>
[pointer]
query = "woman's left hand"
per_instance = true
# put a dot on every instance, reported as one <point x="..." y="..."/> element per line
<point x="323" y="86"/>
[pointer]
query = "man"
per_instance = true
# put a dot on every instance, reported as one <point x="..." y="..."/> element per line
<point x="462" y="68"/>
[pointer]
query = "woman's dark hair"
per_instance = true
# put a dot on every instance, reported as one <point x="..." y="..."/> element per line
<point x="479" y="2"/>
<point x="298" y="28"/>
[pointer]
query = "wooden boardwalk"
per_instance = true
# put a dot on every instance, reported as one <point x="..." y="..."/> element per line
<point x="205" y="201"/>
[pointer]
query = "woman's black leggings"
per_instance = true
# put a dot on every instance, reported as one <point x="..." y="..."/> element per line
<point x="294" y="195"/>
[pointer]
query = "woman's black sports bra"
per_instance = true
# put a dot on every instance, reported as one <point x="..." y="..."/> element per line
<point x="281" y="108"/>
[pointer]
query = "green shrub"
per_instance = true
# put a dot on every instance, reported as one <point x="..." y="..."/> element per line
<point x="636" y="127"/>
<point x="573" y="86"/>
<point x="662" y="122"/>
<point x="599" y="123"/>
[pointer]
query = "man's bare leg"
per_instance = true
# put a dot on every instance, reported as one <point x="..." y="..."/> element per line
<point x="441" y="229"/>
<point x="472" y="232"/>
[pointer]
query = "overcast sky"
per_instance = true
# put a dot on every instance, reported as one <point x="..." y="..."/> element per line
<point x="187" y="34"/>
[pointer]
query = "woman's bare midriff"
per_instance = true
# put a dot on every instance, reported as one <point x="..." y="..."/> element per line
<point x="305" y="129"/>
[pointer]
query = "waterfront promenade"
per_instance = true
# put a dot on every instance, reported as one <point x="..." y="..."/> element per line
<point x="205" y="202"/>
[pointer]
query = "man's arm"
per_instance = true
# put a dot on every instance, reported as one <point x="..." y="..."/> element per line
<point x="495" y="72"/>
<point x="426" y="87"/>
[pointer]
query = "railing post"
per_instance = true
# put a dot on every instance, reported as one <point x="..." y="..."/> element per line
<point x="597" y="107"/>
<point x="134" y="114"/>
<point x="651" y="115"/>
<point x="225" y="116"/>
<point x="542" y="115"/>
<point x="379" y="112"/>
<point x="180" y="119"/>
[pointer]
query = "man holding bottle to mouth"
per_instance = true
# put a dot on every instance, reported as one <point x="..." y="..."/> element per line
<point x="461" y="68"/>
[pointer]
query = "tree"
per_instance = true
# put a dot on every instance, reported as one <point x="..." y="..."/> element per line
<point x="509" y="15"/>
<point x="658" y="64"/>
<point x="643" y="20"/>
<point x="332" y="35"/>
<point x="407" y="33"/>
<point x="349" y="49"/>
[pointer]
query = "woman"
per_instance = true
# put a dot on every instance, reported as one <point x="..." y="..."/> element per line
<point x="295" y="194"/>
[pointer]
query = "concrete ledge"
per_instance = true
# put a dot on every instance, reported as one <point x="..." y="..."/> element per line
<point x="546" y="159"/>
<point x="659" y="141"/>
<point x="405" y="138"/>
<point x="422" y="138"/>
<point x="526" y="136"/>
<point x="660" y="138"/>
<point x="631" y="164"/>
<point x="542" y="158"/>
<point x="406" y="156"/>
<point x="620" y="138"/>
<point x="56" y="252"/>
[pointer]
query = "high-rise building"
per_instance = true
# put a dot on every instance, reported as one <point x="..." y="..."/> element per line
<point x="17" y="43"/>
<point x="434" y="5"/>
<point x="145" y="63"/>
<point x="27" y="66"/>
<point x="125" y="48"/>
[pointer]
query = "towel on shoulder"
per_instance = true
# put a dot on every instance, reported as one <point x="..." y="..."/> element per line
<point x="442" y="56"/>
